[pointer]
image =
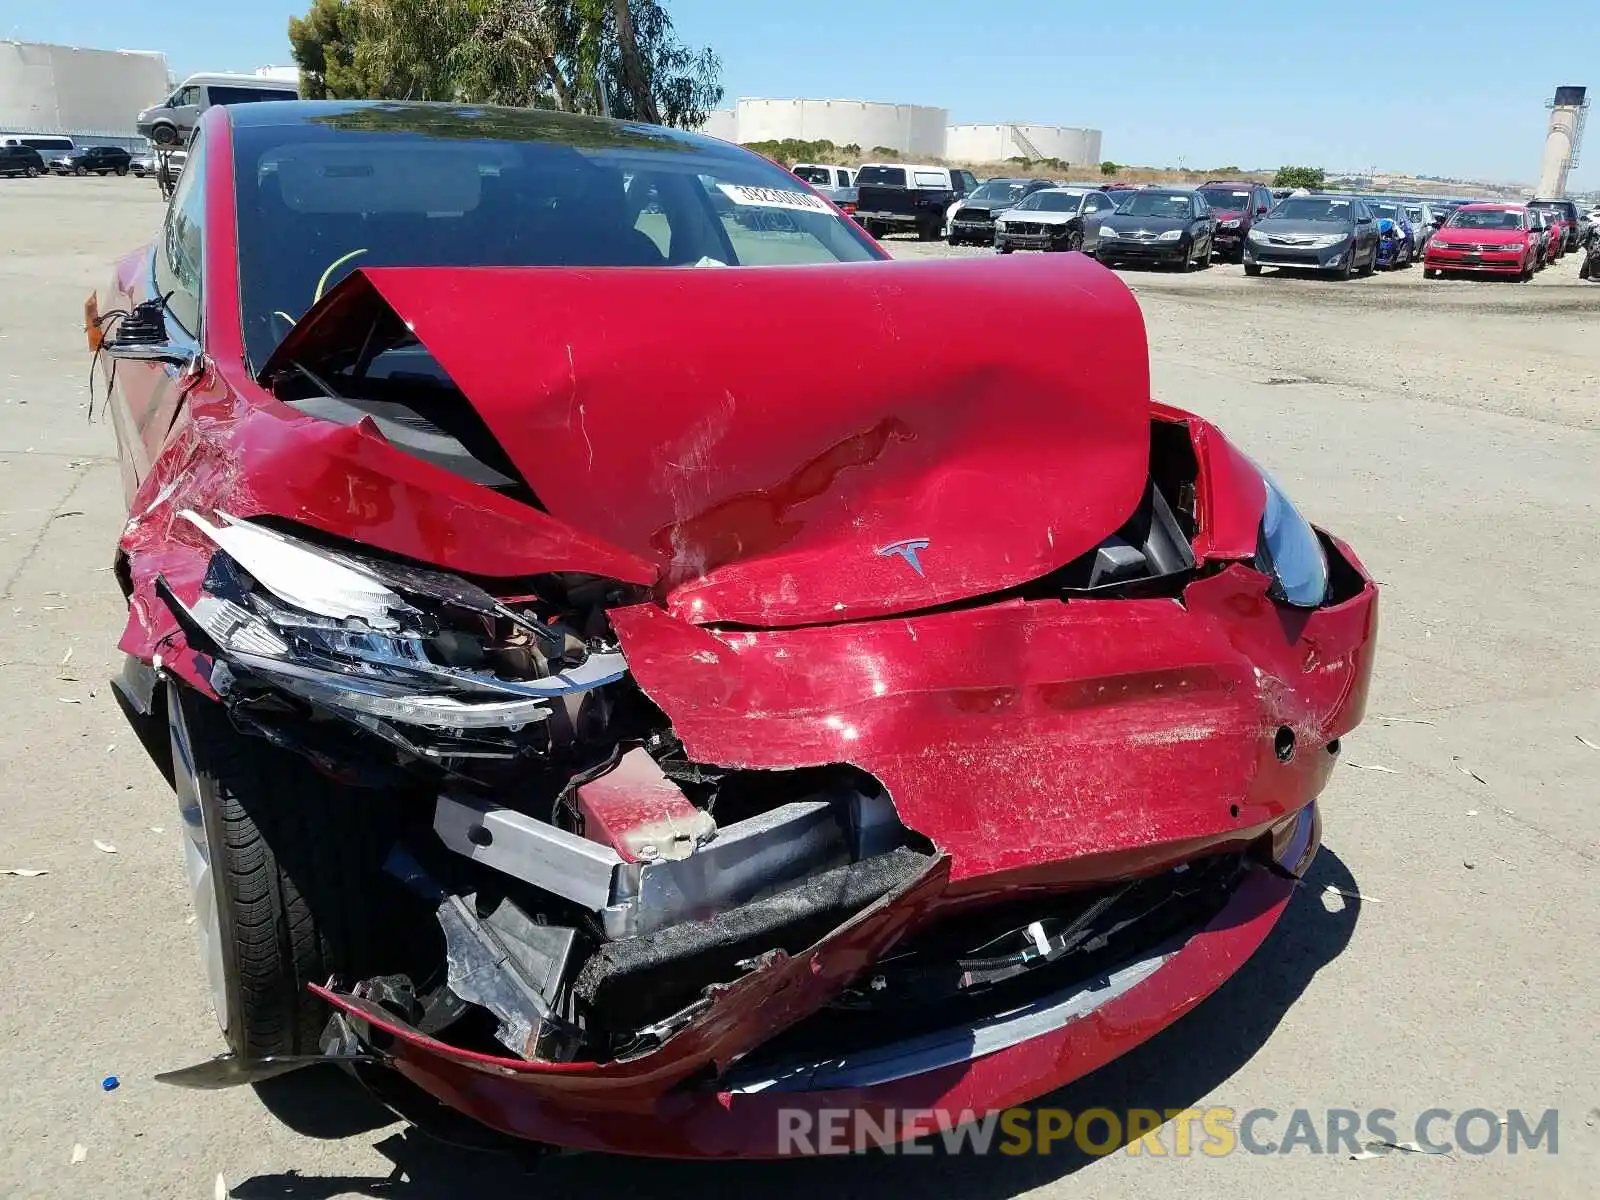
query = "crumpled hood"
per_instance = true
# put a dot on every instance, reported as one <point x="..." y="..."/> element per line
<point x="793" y="445"/>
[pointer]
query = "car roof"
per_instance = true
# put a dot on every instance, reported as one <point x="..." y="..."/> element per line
<point x="486" y="121"/>
<point x="236" y="78"/>
<point x="1487" y="206"/>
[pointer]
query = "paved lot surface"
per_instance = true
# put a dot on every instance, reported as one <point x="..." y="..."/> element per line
<point x="1450" y="431"/>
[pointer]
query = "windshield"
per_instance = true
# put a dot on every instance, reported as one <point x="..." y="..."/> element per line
<point x="881" y="177"/>
<point x="815" y="175"/>
<point x="1313" y="208"/>
<point x="1051" y="202"/>
<point x="1392" y="211"/>
<point x="1155" y="204"/>
<point x="1227" y="199"/>
<point x="1556" y="208"/>
<point x="398" y="186"/>
<point x="1484" y="218"/>
<point x="1006" y="191"/>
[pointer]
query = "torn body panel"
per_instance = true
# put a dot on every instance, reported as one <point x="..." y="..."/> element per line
<point x="1133" y="733"/>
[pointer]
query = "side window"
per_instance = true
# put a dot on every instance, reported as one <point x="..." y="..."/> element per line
<point x="188" y="95"/>
<point x="181" y="251"/>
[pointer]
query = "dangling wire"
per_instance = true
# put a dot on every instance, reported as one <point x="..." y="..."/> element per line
<point x="118" y="315"/>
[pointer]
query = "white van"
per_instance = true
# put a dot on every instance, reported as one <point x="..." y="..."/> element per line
<point x="172" y="121"/>
<point x="47" y="144"/>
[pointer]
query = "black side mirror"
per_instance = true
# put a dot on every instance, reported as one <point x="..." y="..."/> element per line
<point x="141" y="336"/>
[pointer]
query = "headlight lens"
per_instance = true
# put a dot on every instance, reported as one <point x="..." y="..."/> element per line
<point x="1289" y="552"/>
<point x="380" y="641"/>
<point x="1231" y="223"/>
<point x="1170" y="235"/>
<point x="1257" y="237"/>
<point x="1107" y="232"/>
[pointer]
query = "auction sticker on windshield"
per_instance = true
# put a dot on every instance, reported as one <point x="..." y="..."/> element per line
<point x="760" y="197"/>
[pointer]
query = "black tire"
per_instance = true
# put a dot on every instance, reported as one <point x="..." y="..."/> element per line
<point x="122" y="171"/>
<point x="1075" y="240"/>
<point x="80" y="170"/>
<point x="1004" y="248"/>
<point x="874" y="228"/>
<point x="952" y="240"/>
<point x="1525" y="274"/>
<point x="1431" y="272"/>
<point x="1252" y="269"/>
<point x="1371" y="268"/>
<point x="297" y="873"/>
<point x="1583" y="268"/>
<point x="164" y="135"/>
<point x="31" y="173"/>
<point x="1342" y="274"/>
<point x="928" y="233"/>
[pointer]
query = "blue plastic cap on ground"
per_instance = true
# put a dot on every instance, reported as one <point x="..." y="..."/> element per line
<point x="110" y="1083"/>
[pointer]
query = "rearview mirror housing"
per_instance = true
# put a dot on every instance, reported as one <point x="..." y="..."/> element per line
<point x="142" y="336"/>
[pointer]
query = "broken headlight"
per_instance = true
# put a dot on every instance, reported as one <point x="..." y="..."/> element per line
<point x="1289" y="553"/>
<point x="382" y="642"/>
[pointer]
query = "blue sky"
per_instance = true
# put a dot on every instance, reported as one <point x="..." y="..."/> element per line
<point x="1428" y="87"/>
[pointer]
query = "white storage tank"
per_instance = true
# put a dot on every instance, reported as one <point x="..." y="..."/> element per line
<point x="722" y="123"/>
<point x="92" y="94"/>
<point x="998" y="143"/>
<point x="913" y="130"/>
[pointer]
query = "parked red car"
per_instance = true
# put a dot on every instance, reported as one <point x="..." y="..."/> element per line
<point x="584" y="723"/>
<point x="1238" y="205"/>
<point x="1496" y="239"/>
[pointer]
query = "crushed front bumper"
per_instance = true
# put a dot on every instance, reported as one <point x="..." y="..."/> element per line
<point x="1008" y="1059"/>
<point x="1206" y="726"/>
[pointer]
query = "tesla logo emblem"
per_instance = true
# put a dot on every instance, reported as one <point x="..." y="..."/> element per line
<point x="908" y="550"/>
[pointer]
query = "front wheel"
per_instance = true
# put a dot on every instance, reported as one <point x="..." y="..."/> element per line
<point x="1004" y="248"/>
<point x="31" y="173"/>
<point x="1431" y="272"/>
<point x="79" y="171"/>
<point x="122" y="171"/>
<point x="1252" y="269"/>
<point x="164" y="135"/>
<point x="1583" y="268"/>
<point x="285" y="871"/>
<point x="1372" y="264"/>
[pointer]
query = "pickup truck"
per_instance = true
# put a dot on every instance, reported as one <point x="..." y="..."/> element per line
<point x="836" y="183"/>
<point x="905" y="197"/>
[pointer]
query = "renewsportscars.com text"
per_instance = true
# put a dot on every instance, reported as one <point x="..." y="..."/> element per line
<point x="1174" y="1132"/>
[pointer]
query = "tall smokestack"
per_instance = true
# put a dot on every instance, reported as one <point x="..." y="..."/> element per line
<point x="1568" y="112"/>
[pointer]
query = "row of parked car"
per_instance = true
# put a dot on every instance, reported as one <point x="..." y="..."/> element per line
<point x="1240" y="221"/>
<point x="32" y="155"/>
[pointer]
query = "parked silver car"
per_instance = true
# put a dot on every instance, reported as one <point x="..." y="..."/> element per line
<point x="1425" y="221"/>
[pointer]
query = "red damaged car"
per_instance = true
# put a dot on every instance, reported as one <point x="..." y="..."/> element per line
<point x="614" y="698"/>
<point x="1496" y="239"/>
